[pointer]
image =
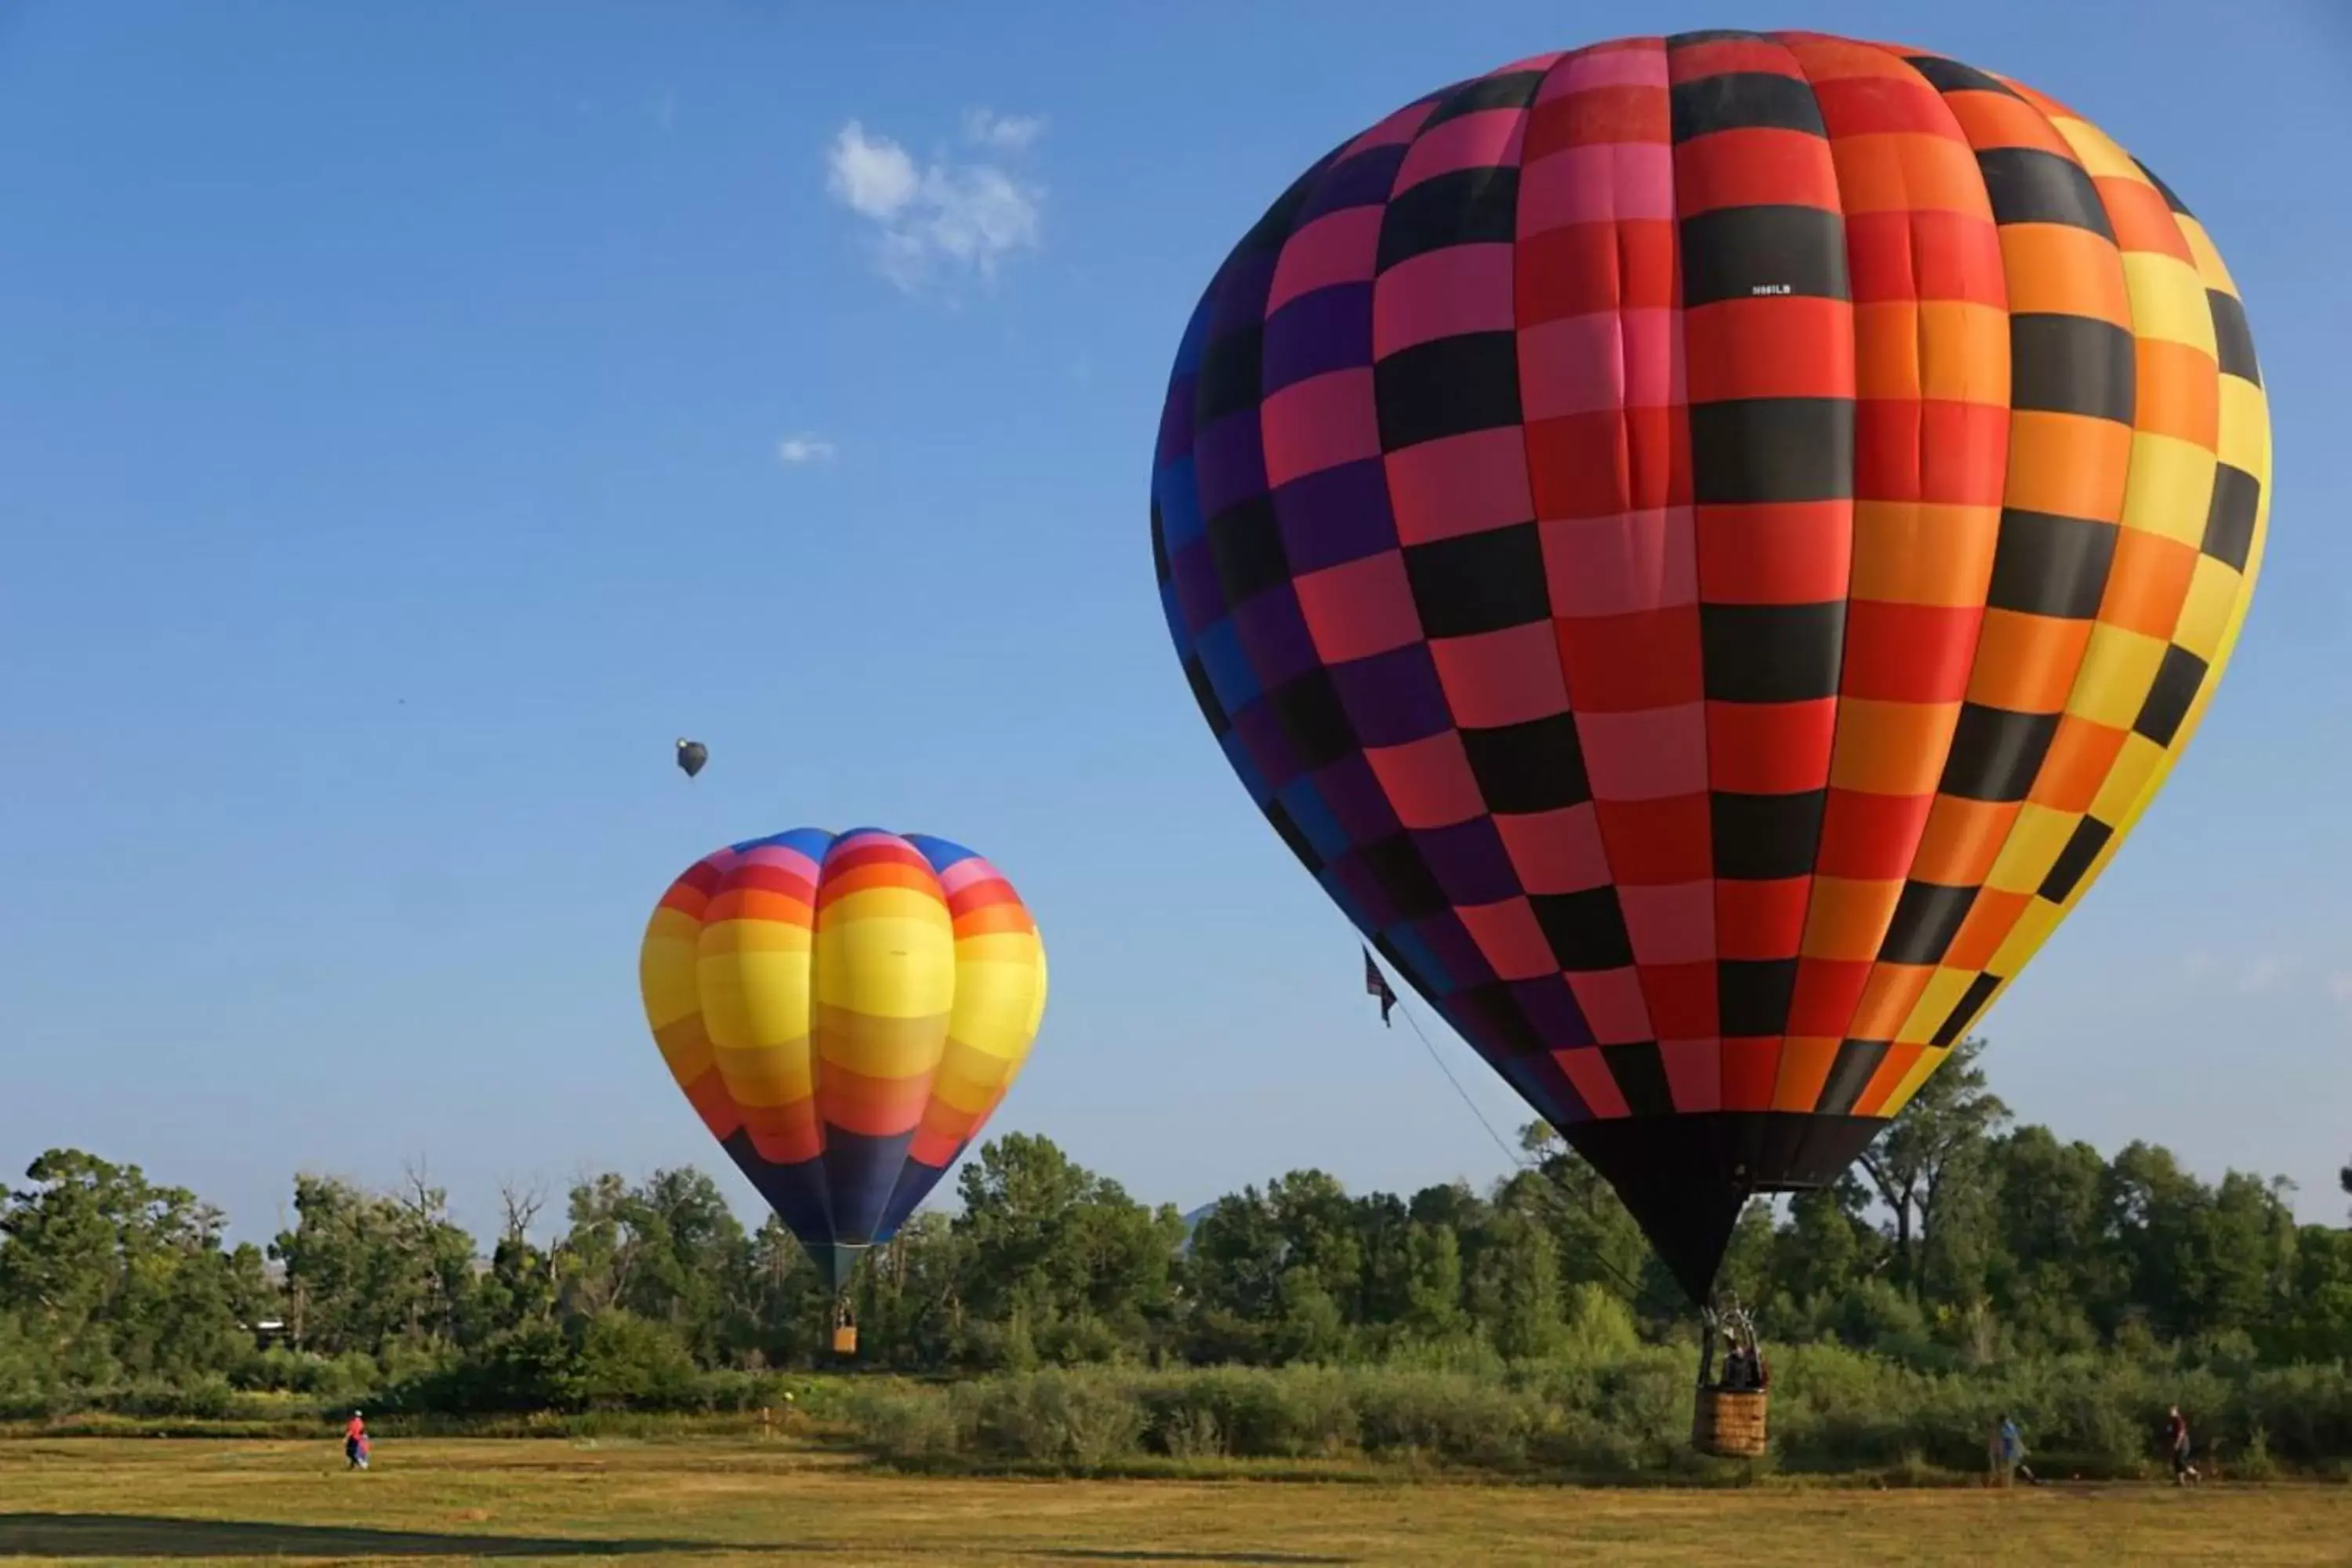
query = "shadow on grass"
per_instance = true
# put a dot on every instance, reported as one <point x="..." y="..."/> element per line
<point x="1114" y="1554"/>
<point x="114" y="1535"/>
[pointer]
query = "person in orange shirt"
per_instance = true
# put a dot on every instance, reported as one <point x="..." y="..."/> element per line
<point x="355" y="1443"/>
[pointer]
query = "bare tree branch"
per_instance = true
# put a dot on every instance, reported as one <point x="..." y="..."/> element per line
<point x="521" y="1207"/>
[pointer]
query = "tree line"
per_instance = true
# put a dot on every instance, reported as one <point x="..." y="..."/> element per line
<point x="1962" y="1240"/>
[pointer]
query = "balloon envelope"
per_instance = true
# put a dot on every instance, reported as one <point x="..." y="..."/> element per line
<point x="844" y="1013"/>
<point x="1704" y="546"/>
<point x="691" y="755"/>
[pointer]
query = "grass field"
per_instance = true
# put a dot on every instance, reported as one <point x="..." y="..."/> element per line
<point x="714" y="1501"/>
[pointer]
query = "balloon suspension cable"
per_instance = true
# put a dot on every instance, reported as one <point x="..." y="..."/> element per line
<point x="1632" y="1290"/>
<point x="1510" y="1154"/>
<point x="1725" y="1316"/>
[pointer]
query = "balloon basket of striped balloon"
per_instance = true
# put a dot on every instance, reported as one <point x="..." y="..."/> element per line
<point x="845" y="1331"/>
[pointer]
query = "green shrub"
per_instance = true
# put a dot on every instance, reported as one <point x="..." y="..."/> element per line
<point x="1591" y="1413"/>
<point x="629" y="1362"/>
<point x="1454" y="1419"/>
<point x="906" y="1423"/>
<point x="1082" y="1420"/>
<point x="1189" y="1432"/>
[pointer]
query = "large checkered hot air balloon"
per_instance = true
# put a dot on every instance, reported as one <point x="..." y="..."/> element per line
<point x="1705" y="546"/>
<point x="843" y="1012"/>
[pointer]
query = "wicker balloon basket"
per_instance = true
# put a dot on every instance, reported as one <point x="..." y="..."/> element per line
<point x="845" y="1331"/>
<point x="1730" y="1423"/>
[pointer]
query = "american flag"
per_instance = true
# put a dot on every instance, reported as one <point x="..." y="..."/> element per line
<point x="1377" y="985"/>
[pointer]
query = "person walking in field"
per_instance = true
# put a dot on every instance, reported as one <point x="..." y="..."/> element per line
<point x="2013" y="1450"/>
<point x="355" y="1443"/>
<point x="2176" y="1440"/>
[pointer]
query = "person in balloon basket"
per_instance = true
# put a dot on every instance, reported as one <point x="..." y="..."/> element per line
<point x="1744" y="1371"/>
<point x="2176" y="1442"/>
<point x="355" y="1443"/>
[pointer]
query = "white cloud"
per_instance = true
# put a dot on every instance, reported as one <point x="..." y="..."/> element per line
<point x="2266" y="973"/>
<point x="943" y="215"/>
<point x="873" y="177"/>
<point x="2248" y="974"/>
<point x="2288" y="976"/>
<point x="1004" y="133"/>
<point x="803" y="447"/>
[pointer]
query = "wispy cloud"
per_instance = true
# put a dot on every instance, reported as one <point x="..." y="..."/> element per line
<point x="2246" y="975"/>
<point x="2267" y="973"/>
<point x="2287" y="976"/>
<point x="1002" y="133"/>
<point x="804" y="447"/>
<point x="945" y="214"/>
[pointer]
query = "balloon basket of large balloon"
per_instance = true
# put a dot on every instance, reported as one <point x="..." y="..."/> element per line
<point x="1730" y="1423"/>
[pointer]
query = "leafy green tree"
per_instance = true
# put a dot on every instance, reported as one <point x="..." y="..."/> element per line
<point x="1309" y="1327"/>
<point x="2054" y="1274"/>
<point x="1934" y="1140"/>
<point x="668" y="1251"/>
<point x="2316" y="1323"/>
<point x="518" y="1288"/>
<point x="1516" y="1294"/>
<point x="1021" y="1196"/>
<point x="349" y="1283"/>
<point x="2245" y="1255"/>
<point x="1453" y="1206"/>
<point x="2154" y="1216"/>
<point x="1960" y="1235"/>
<point x="1384" y="1296"/>
<point x="910" y="1295"/>
<point x="117" y="1276"/>
<point x="1318" y="1222"/>
<point x="1433" y="1287"/>
<point x="1961" y="1241"/>
<point x="1824" y="1250"/>
<point x="626" y="1361"/>
<point x="1237" y="1254"/>
<point x="1086" y="1270"/>
<point x="366" y="1272"/>
<point x="791" y="1302"/>
<point x="1598" y="1239"/>
<point x="1747" y="1270"/>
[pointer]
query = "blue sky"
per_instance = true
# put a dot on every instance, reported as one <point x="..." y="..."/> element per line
<point x="408" y="428"/>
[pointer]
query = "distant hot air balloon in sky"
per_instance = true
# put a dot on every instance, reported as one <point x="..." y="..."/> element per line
<point x="691" y="755"/>
<point x="844" y="1013"/>
<point x="1705" y="546"/>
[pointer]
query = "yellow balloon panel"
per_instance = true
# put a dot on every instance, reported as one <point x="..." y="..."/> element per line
<point x="2188" y="549"/>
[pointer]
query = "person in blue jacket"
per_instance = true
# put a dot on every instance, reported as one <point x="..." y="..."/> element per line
<point x="2013" y="1450"/>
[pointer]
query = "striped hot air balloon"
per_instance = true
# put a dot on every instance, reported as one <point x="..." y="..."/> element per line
<point x="1705" y="546"/>
<point x="843" y="1012"/>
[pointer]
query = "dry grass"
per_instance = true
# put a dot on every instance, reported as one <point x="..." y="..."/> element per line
<point x="717" y="1501"/>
